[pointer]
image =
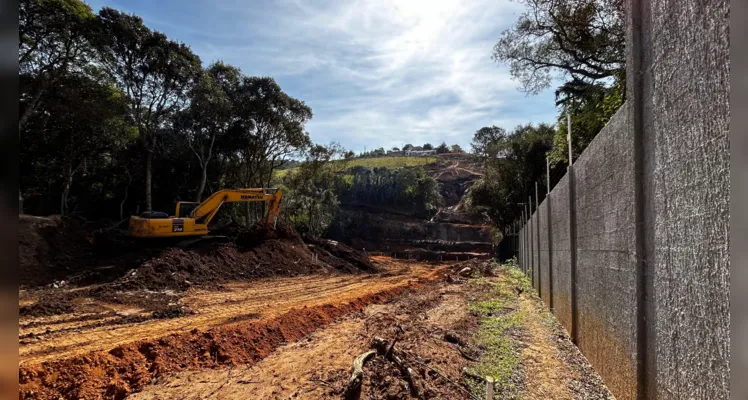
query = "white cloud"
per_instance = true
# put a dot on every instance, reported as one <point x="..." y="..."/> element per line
<point x="375" y="72"/>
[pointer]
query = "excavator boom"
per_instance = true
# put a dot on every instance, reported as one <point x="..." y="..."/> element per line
<point x="195" y="223"/>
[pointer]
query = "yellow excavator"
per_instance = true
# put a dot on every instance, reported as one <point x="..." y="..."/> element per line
<point x="192" y="219"/>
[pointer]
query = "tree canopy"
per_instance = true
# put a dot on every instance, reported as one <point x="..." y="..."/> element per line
<point x="115" y="118"/>
<point x="579" y="43"/>
<point x="509" y="180"/>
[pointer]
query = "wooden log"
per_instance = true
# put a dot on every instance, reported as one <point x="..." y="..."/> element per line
<point x="489" y="388"/>
<point x="357" y="376"/>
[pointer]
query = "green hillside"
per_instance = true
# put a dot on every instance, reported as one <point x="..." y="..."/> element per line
<point x="374" y="162"/>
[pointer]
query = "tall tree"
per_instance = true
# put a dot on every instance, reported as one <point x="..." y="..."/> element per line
<point x="79" y="129"/>
<point x="311" y="201"/>
<point x="510" y="180"/>
<point x="456" y="148"/>
<point x="154" y="72"/>
<point x="484" y="139"/>
<point x="580" y="41"/>
<point x="270" y="125"/>
<point x="54" y="38"/>
<point x="428" y="146"/>
<point x="210" y="115"/>
<point x="443" y="148"/>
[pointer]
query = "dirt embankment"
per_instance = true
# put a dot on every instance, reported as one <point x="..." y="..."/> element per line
<point x="443" y="339"/>
<point x="102" y="314"/>
<point x="453" y="233"/>
<point x="127" y="368"/>
<point x="63" y="260"/>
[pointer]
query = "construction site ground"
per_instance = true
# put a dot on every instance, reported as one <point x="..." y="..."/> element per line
<point x="436" y="327"/>
<point x="296" y="337"/>
<point x="267" y="314"/>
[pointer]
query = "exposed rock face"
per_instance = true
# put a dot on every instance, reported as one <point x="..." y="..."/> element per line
<point x="452" y="233"/>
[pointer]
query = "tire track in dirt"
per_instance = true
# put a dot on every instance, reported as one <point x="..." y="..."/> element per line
<point x="79" y="365"/>
<point x="267" y="297"/>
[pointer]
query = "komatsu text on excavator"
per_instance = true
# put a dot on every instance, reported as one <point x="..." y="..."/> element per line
<point x="191" y="219"/>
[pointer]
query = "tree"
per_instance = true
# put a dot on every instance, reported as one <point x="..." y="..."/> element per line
<point x="456" y="148"/>
<point x="209" y="115"/>
<point x="443" y="148"/>
<point x="54" y="38"/>
<point x="77" y="132"/>
<point x="485" y="137"/>
<point x="349" y="155"/>
<point x="426" y="195"/>
<point x="408" y="147"/>
<point x="428" y="146"/>
<point x="511" y="179"/>
<point x="269" y="129"/>
<point x="311" y="202"/>
<point x="395" y="149"/>
<point x="590" y="113"/>
<point x="153" y="72"/>
<point x="579" y="40"/>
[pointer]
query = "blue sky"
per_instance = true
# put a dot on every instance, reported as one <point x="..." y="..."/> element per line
<point x="375" y="73"/>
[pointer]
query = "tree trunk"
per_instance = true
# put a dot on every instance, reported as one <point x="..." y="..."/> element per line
<point x="30" y="108"/>
<point x="65" y="192"/>
<point x="148" y="164"/>
<point x="201" y="188"/>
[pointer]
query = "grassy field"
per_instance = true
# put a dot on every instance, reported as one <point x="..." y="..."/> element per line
<point x="388" y="162"/>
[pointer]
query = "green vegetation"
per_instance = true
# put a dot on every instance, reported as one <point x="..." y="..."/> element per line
<point x="514" y="162"/>
<point x="581" y="42"/>
<point x="389" y="162"/>
<point x="316" y="188"/>
<point x="116" y="117"/>
<point x="498" y="319"/>
<point x="373" y="162"/>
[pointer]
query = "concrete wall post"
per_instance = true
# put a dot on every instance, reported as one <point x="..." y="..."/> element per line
<point x="537" y="235"/>
<point x="573" y="255"/>
<point x="550" y="240"/>
<point x="532" y="241"/>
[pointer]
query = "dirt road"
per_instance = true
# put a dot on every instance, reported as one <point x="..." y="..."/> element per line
<point x="547" y="365"/>
<point x="47" y="338"/>
<point x="115" y="351"/>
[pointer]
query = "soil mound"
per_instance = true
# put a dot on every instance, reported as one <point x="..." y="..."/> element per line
<point x="179" y="269"/>
<point x="63" y="252"/>
<point x="340" y="256"/>
<point x="51" y="247"/>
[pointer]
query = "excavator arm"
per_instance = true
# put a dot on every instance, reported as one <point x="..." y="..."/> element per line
<point x="208" y="209"/>
<point x="196" y="222"/>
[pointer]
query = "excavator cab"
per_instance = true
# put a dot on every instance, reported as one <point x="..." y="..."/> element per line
<point x="184" y="208"/>
<point x="192" y="219"/>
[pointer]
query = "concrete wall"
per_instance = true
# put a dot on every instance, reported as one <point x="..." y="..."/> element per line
<point x="685" y="103"/>
<point x="543" y="267"/>
<point x="606" y="254"/>
<point x="561" y="257"/>
<point x="640" y="226"/>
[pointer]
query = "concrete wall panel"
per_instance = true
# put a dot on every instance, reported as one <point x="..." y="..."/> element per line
<point x="686" y="119"/>
<point x="543" y="271"/>
<point x="606" y="254"/>
<point x="561" y="257"/>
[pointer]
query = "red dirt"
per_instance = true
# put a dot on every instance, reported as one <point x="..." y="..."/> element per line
<point x="128" y="368"/>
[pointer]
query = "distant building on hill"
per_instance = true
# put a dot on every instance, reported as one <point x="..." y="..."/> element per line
<point x="420" y="152"/>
